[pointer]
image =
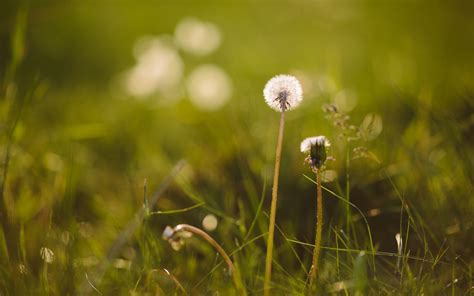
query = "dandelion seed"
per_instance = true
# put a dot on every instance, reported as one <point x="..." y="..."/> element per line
<point x="283" y="93"/>
<point x="316" y="148"/>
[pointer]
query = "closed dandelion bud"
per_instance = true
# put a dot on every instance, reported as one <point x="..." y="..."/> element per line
<point x="283" y="93"/>
<point x="47" y="255"/>
<point x="316" y="148"/>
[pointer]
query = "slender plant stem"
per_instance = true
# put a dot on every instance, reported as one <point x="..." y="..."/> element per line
<point x="348" y="189"/>
<point x="172" y="277"/>
<point x="235" y="273"/>
<point x="209" y="239"/>
<point x="319" y="229"/>
<point x="271" y="227"/>
<point x="131" y="227"/>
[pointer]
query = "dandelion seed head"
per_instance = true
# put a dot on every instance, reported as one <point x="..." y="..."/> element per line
<point x="283" y="93"/>
<point x="316" y="148"/>
<point x="307" y="143"/>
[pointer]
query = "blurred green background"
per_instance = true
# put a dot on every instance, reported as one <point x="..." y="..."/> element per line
<point x="97" y="96"/>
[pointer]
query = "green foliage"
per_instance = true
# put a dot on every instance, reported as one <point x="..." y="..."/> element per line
<point x="75" y="149"/>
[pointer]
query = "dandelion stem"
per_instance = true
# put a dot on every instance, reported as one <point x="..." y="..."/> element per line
<point x="319" y="229"/>
<point x="271" y="227"/>
<point x="209" y="239"/>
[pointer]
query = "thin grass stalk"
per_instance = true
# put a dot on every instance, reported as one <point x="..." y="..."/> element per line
<point x="319" y="229"/>
<point x="271" y="226"/>
<point x="234" y="271"/>
<point x="165" y="272"/>
<point x="369" y="232"/>
<point x="250" y="241"/>
<point x="132" y="226"/>
<point x="348" y="189"/>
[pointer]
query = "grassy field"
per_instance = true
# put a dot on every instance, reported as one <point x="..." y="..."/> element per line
<point x="120" y="118"/>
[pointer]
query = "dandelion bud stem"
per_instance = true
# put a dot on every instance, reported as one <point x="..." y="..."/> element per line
<point x="319" y="229"/>
<point x="315" y="148"/>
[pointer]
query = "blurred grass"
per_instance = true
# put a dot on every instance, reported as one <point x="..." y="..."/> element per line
<point x="75" y="148"/>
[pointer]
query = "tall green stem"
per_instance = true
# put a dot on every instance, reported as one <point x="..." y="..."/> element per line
<point x="271" y="227"/>
<point x="319" y="229"/>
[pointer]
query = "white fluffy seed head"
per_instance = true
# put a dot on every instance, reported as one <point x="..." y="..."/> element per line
<point x="307" y="143"/>
<point x="283" y="93"/>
